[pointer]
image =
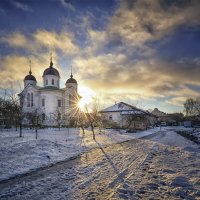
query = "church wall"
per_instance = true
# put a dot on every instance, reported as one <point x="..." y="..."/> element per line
<point x="29" y="82"/>
<point x="71" y="97"/>
<point x="51" y="98"/>
<point x="30" y="103"/>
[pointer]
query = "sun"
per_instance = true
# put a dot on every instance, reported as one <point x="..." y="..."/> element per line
<point x="87" y="94"/>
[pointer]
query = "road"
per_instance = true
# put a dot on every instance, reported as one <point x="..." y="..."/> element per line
<point x="137" y="169"/>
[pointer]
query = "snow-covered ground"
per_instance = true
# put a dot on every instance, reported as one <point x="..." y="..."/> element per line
<point x="21" y="155"/>
<point x="169" y="136"/>
<point x="191" y="133"/>
<point x="137" y="169"/>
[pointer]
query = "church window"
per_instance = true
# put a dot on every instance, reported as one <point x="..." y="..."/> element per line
<point x="43" y="116"/>
<point x="110" y="117"/>
<point x="31" y="99"/>
<point x="52" y="81"/>
<point x="46" y="81"/>
<point x="59" y="103"/>
<point x="28" y="100"/>
<point x="70" y="100"/>
<point x="43" y="102"/>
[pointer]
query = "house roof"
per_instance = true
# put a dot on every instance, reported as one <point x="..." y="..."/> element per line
<point x="125" y="109"/>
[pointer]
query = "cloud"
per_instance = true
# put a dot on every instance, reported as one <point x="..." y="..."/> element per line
<point x="115" y="76"/>
<point x="16" y="40"/>
<point x="126" y="37"/>
<point x="52" y="40"/>
<point x="137" y="22"/>
<point x="14" y="68"/>
<point x="66" y="4"/>
<point x="21" y="6"/>
<point x="63" y="41"/>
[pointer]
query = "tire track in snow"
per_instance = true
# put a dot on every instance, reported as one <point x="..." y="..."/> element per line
<point x="126" y="173"/>
<point x="83" y="177"/>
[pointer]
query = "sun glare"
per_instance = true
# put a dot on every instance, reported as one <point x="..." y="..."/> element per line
<point x="87" y="94"/>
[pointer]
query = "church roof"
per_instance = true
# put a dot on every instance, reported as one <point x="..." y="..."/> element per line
<point x="51" y="88"/>
<point x="30" y="78"/>
<point x="51" y="70"/>
<point x="71" y="80"/>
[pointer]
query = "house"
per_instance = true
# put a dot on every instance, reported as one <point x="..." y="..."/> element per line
<point x="123" y="115"/>
<point x="168" y="118"/>
<point x="50" y="101"/>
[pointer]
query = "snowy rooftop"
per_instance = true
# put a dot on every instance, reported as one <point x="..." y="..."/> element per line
<point x="121" y="106"/>
<point x="132" y="112"/>
<point x="124" y="108"/>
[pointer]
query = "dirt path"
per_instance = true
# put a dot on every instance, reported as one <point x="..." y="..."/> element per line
<point x="131" y="170"/>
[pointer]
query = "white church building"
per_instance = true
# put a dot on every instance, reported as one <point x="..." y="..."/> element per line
<point x="53" y="104"/>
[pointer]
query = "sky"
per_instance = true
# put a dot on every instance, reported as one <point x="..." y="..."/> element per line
<point x="142" y="52"/>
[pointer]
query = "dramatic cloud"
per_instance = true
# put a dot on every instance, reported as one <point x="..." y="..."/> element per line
<point x="14" y="68"/>
<point x="119" y="60"/>
<point x="63" y="42"/>
<point x="129" y="31"/>
<point x="137" y="22"/>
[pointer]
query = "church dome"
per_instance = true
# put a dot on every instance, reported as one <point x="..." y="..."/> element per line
<point x="30" y="77"/>
<point x="51" y="71"/>
<point x="71" y="80"/>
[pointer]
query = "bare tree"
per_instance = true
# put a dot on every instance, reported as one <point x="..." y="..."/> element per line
<point x="192" y="107"/>
<point x="35" y="120"/>
<point x="81" y="121"/>
<point x="11" y="108"/>
<point x="58" y="118"/>
<point x="93" y="117"/>
<point x="132" y="119"/>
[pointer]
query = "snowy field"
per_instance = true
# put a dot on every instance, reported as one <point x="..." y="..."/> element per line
<point x="21" y="155"/>
<point x="136" y="169"/>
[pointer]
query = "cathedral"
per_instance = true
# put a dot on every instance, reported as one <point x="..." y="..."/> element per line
<point x="53" y="104"/>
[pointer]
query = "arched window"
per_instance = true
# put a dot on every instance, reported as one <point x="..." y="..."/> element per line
<point x="52" y="81"/>
<point x="43" y="102"/>
<point x="70" y="99"/>
<point x="46" y="81"/>
<point x="43" y="116"/>
<point x="110" y="117"/>
<point x="31" y="99"/>
<point x="28" y="100"/>
<point x="59" y="103"/>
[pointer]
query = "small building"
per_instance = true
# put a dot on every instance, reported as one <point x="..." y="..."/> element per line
<point x="123" y="115"/>
<point x="170" y="119"/>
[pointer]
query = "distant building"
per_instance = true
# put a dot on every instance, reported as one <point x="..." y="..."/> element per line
<point x="169" y="119"/>
<point x="123" y="115"/>
<point x="50" y="101"/>
<point x="162" y="116"/>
